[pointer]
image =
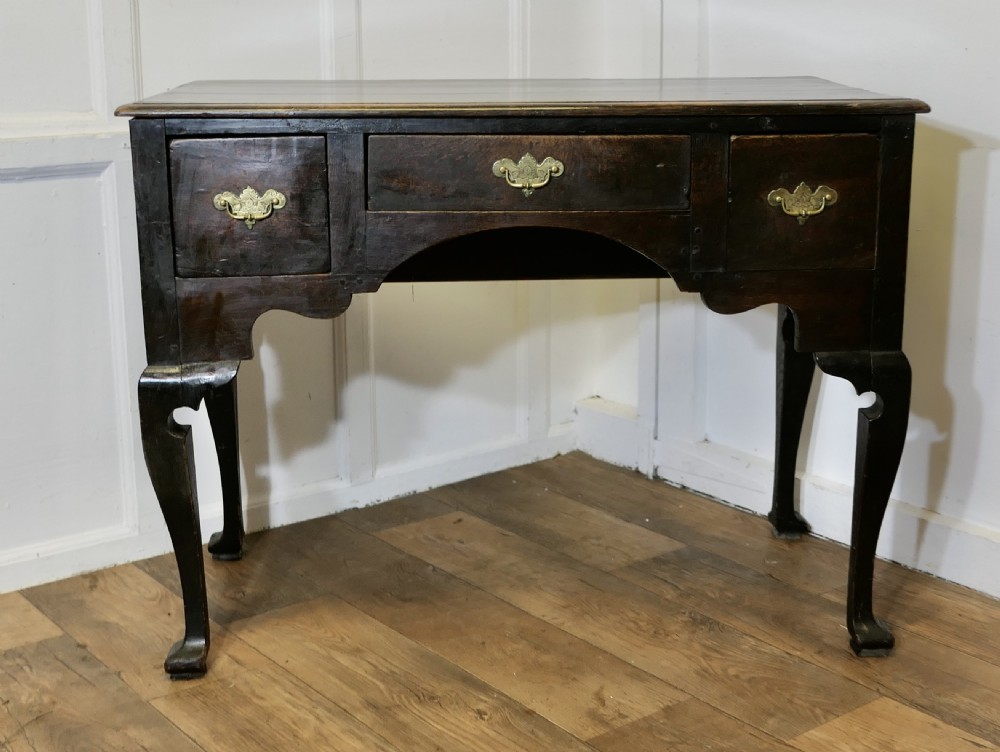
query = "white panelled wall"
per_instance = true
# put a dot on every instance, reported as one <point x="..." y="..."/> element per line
<point x="420" y="385"/>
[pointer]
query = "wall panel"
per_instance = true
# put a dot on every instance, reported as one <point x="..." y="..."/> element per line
<point x="434" y="39"/>
<point x="421" y="385"/>
<point x="49" y="42"/>
<point x="60" y="451"/>
<point x="187" y="40"/>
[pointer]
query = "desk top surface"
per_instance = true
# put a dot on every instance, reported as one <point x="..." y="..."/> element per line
<point x="518" y="97"/>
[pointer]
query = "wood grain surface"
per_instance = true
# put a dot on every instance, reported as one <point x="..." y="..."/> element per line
<point x="694" y="96"/>
<point x="564" y="605"/>
<point x="599" y="173"/>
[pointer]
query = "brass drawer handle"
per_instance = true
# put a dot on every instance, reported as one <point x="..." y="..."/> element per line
<point x="527" y="174"/>
<point x="803" y="202"/>
<point x="249" y="205"/>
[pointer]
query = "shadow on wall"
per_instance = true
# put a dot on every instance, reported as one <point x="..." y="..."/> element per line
<point x="295" y="355"/>
<point x="937" y="266"/>
<point x="945" y="268"/>
<point x="292" y="416"/>
<point x="942" y="260"/>
<point x="298" y="354"/>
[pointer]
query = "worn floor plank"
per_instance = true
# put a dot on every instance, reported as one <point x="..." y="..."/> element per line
<point x="563" y="605"/>
<point x="817" y="568"/>
<point x="888" y="726"/>
<point x="920" y="601"/>
<point x="267" y="710"/>
<point x="58" y="697"/>
<point x="961" y="689"/>
<point x="590" y="535"/>
<point x="417" y="701"/>
<point x="684" y="648"/>
<point x="128" y="621"/>
<point x="502" y="645"/>
<point x="691" y="726"/>
<point x="23" y="624"/>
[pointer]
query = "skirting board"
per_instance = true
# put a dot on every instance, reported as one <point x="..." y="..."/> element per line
<point x="96" y="549"/>
<point x="943" y="546"/>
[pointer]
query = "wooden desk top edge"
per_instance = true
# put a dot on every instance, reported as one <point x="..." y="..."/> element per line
<point x="518" y="97"/>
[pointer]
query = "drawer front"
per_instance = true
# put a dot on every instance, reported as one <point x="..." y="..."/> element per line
<point x="562" y="173"/>
<point x="222" y="230"/>
<point x="776" y="222"/>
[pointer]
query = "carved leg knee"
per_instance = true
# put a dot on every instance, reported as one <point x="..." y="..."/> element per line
<point x="169" y="457"/>
<point x="881" y="435"/>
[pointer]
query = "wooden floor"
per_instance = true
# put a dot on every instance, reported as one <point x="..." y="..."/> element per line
<point x="567" y="605"/>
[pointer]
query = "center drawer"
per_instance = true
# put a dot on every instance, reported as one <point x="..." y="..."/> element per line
<point x="528" y="173"/>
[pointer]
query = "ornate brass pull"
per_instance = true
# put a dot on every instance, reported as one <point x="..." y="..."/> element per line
<point x="527" y="174"/>
<point x="249" y="205"/>
<point x="803" y="202"/>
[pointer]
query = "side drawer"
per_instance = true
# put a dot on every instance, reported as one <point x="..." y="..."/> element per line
<point x="838" y="234"/>
<point x="594" y="173"/>
<point x="293" y="237"/>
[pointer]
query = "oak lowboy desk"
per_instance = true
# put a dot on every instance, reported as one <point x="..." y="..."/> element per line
<point x="252" y="196"/>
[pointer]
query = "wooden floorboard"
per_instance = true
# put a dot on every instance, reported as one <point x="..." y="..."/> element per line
<point x="565" y="605"/>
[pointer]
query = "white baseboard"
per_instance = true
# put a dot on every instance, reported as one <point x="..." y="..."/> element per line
<point x="392" y="482"/>
<point x="96" y="549"/>
<point x="946" y="547"/>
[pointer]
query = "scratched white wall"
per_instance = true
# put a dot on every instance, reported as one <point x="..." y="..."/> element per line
<point x="419" y="385"/>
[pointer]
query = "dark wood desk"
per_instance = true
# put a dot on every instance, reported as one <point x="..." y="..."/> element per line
<point x="252" y="196"/>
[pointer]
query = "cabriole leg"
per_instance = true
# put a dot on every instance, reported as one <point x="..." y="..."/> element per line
<point x="169" y="457"/>
<point x="881" y="435"/>
<point x="794" y="379"/>
<point x="227" y="545"/>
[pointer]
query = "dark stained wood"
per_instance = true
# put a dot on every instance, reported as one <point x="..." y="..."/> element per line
<point x="294" y="239"/>
<point x="167" y="447"/>
<point x="557" y="123"/>
<point x="832" y="308"/>
<point x="218" y="314"/>
<point x="709" y="201"/>
<point x="393" y="181"/>
<point x="881" y="435"/>
<point x="156" y="244"/>
<point x="528" y="252"/>
<point x="520" y="97"/>
<point x="842" y="236"/>
<point x="893" y="220"/>
<point x="600" y="173"/>
<point x="220" y="402"/>
<point x="794" y="371"/>
<point x="346" y="167"/>
<point x="395" y="237"/>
